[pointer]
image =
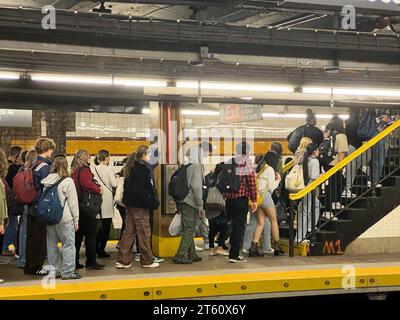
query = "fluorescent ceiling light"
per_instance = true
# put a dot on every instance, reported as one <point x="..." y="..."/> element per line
<point x="367" y="92"/>
<point x="140" y="83"/>
<point x="9" y="75"/>
<point x="247" y="98"/>
<point x="301" y="116"/>
<point x="72" y="79"/>
<point x="146" y="111"/>
<point x="353" y="91"/>
<point x="199" y="113"/>
<point x="99" y="80"/>
<point x="233" y="86"/>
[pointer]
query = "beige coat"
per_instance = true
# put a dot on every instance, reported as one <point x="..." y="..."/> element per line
<point x="108" y="180"/>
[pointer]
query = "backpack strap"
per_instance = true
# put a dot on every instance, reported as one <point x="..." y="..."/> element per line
<point x="39" y="165"/>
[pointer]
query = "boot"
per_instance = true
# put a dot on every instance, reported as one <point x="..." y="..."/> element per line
<point x="277" y="248"/>
<point x="253" y="250"/>
<point x="260" y="251"/>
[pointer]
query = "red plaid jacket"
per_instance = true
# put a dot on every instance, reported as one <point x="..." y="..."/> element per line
<point x="248" y="187"/>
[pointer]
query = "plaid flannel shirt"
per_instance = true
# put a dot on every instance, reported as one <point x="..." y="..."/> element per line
<point x="248" y="187"/>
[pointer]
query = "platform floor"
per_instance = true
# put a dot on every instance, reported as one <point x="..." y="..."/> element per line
<point x="213" y="277"/>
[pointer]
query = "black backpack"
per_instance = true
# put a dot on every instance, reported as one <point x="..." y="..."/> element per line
<point x="327" y="152"/>
<point x="295" y="138"/>
<point x="178" y="187"/>
<point x="228" y="180"/>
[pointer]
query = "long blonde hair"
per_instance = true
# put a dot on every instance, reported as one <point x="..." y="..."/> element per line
<point x="304" y="142"/>
<point x="3" y="164"/>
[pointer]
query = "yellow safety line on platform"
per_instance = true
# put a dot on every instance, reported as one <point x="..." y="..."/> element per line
<point x="209" y="285"/>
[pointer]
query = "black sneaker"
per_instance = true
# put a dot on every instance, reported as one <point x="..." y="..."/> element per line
<point x="79" y="266"/>
<point x="195" y="258"/>
<point x="239" y="259"/>
<point x="73" y="276"/>
<point x="182" y="261"/>
<point x="42" y="273"/>
<point x="95" y="266"/>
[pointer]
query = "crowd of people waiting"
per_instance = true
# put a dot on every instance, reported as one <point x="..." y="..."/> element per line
<point x="87" y="198"/>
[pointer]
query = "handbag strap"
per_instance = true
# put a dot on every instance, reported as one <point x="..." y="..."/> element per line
<point x="102" y="179"/>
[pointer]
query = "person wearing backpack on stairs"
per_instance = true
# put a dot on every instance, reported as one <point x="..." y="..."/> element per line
<point x="62" y="260"/>
<point x="191" y="205"/>
<point x="337" y="182"/>
<point x="30" y="159"/>
<point x="309" y="130"/>
<point x="36" y="231"/>
<point x="311" y="172"/>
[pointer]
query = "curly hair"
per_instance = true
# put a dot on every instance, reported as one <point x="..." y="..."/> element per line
<point x="3" y="164"/>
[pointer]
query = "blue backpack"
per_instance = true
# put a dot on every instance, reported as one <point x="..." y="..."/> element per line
<point x="49" y="208"/>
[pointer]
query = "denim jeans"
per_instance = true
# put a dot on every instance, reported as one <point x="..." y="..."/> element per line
<point x="22" y="238"/>
<point x="304" y="220"/>
<point x="10" y="235"/>
<point x="378" y="160"/>
<point x="265" y="237"/>
<point x="61" y="259"/>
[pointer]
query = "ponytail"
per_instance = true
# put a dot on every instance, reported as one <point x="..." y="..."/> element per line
<point x="311" y="148"/>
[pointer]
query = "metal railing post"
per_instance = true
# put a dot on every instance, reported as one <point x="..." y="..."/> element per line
<point x="291" y="230"/>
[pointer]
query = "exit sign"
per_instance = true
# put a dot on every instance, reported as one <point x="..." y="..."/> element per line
<point x="233" y="113"/>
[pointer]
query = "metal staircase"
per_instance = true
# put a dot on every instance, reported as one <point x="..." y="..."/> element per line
<point x="329" y="229"/>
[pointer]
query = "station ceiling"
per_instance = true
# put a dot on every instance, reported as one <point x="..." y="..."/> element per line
<point x="247" y="40"/>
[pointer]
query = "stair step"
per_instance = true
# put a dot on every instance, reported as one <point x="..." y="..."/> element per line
<point x="323" y="220"/>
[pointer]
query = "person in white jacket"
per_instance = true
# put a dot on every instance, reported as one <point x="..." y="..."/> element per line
<point x="105" y="175"/>
<point x="62" y="260"/>
<point x="268" y="181"/>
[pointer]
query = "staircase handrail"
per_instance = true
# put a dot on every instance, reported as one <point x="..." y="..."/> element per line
<point x="324" y="177"/>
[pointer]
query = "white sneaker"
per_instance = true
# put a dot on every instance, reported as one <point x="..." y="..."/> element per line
<point x="1" y="280"/>
<point x="221" y="252"/>
<point x="245" y="251"/>
<point x="378" y="185"/>
<point x="158" y="260"/>
<point x="369" y="183"/>
<point x="348" y="194"/>
<point x="137" y="257"/>
<point x="119" y="265"/>
<point x="198" y="249"/>
<point x="153" y="265"/>
<point x="326" y="215"/>
<point x="206" y="246"/>
<point x="337" y="206"/>
<point x="270" y="251"/>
